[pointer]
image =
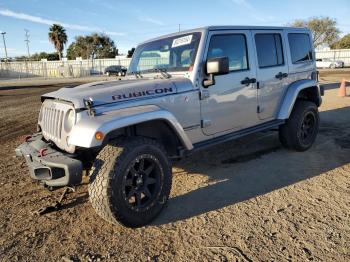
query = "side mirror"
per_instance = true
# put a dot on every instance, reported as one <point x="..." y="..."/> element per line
<point x="215" y="66"/>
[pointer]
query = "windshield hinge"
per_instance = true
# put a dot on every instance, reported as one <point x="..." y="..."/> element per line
<point x="205" y="123"/>
<point x="204" y="94"/>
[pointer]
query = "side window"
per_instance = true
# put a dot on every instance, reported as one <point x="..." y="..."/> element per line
<point x="300" y="47"/>
<point x="234" y="46"/>
<point x="269" y="50"/>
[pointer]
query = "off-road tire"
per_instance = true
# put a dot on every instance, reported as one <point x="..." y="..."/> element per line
<point x="290" y="133"/>
<point x="106" y="193"/>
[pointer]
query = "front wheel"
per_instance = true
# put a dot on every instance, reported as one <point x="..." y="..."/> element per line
<point x="130" y="181"/>
<point x="300" y="130"/>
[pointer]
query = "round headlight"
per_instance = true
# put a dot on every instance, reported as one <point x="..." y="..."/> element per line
<point x="69" y="121"/>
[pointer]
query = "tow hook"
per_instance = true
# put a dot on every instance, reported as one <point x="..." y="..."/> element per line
<point x="55" y="207"/>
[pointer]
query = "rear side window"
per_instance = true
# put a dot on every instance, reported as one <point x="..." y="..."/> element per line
<point x="233" y="46"/>
<point x="300" y="48"/>
<point x="269" y="50"/>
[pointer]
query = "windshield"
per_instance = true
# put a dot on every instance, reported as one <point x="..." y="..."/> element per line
<point x="176" y="53"/>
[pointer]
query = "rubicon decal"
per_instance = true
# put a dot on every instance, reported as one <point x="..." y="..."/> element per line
<point x="143" y="93"/>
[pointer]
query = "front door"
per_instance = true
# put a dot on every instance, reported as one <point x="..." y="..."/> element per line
<point x="272" y="71"/>
<point x="230" y="104"/>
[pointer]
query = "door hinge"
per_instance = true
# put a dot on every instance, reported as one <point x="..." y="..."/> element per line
<point x="204" y="94"/>
<point x="205" y="123"/>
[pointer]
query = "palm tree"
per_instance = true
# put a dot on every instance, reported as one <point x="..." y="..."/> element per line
<point x="58" y="37"/>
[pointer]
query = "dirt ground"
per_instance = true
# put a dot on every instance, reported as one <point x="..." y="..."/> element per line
<point x="247" y="200"/>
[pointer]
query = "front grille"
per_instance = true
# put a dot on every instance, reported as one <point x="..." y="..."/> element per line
<point x="52" y="119"/>
<point x="51" y="123"/>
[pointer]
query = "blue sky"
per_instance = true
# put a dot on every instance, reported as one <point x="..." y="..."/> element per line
<point x="129" y="22"/>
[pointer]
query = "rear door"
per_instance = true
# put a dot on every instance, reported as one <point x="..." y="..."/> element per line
<point x="272" y="71"/>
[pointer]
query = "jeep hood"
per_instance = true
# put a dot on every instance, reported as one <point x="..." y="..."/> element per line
<point x="121" y="90"/>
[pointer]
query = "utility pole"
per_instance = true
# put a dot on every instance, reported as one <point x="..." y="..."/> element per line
<point x="179" y="27"/>
<point x="3" y="39"/>
<point x="27" y="41"/>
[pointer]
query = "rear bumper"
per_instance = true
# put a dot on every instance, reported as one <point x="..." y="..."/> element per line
<point x="54" y="168"/>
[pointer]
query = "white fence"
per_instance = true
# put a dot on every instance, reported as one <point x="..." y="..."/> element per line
<point x="50" y="69"/>
<point x="337" y="54"/>
<point x="81" y="68"/>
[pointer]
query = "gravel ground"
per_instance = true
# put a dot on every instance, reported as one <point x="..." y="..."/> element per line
<point x="247" y="200"/>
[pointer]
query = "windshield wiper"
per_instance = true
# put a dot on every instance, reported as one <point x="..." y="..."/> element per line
<point x="163" y="72"/>
<point x="137" y="74"/>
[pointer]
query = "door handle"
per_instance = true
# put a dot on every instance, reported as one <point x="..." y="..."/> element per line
<point x="246" y="81"/>
<point x="281" y="75"/>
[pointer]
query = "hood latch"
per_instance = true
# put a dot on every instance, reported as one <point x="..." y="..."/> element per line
<point x="89" y="103"/>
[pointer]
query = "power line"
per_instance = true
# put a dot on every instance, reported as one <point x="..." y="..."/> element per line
<point x="27" y="41"/>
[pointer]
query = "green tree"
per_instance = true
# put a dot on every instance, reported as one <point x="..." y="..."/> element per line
<point x="130" y="52"/>
<point x="324" y="29"/>
<point x="58" y="37"/>
<point x="343" y="43"/>
<point x="94" y="45"/>
<point x="44" y="55"/>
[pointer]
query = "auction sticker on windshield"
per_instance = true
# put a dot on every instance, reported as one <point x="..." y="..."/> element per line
<point x="185" y="40"/>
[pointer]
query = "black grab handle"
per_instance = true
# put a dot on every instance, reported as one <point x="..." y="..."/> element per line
<point x="281" y="75"/>
<point x="247" y="81"/>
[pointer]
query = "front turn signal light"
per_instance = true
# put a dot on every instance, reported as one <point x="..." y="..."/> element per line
<point x="99" y="135"/>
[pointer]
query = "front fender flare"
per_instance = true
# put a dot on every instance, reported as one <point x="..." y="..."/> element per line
<point x="83" y="133"/>
<point x="292" y="94"/>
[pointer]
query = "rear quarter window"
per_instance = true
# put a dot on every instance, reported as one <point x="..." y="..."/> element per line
<point x="300" y="47"/>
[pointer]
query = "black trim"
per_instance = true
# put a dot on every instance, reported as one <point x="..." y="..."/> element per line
<point x="188" y="128"/>
<point x="237" y="134"/>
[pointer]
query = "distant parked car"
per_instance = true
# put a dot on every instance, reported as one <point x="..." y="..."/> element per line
<point x="329" y="63"/>
<point x="116" y="70"/>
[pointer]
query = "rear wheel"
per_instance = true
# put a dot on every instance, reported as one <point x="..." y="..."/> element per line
<point x="300" y="130"/>
<point x="130" y="181"/>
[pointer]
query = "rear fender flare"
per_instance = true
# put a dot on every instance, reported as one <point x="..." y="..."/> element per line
<point x="292" y="94"/>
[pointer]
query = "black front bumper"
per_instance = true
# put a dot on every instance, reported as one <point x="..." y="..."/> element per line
<point x="53" y="167"/>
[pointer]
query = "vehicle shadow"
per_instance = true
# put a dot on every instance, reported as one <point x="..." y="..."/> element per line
<point x="256" y="165"/>
<point x="78" y="200"/>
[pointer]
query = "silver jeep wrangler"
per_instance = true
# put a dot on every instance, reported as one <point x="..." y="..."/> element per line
<point x="183" y="92"/>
